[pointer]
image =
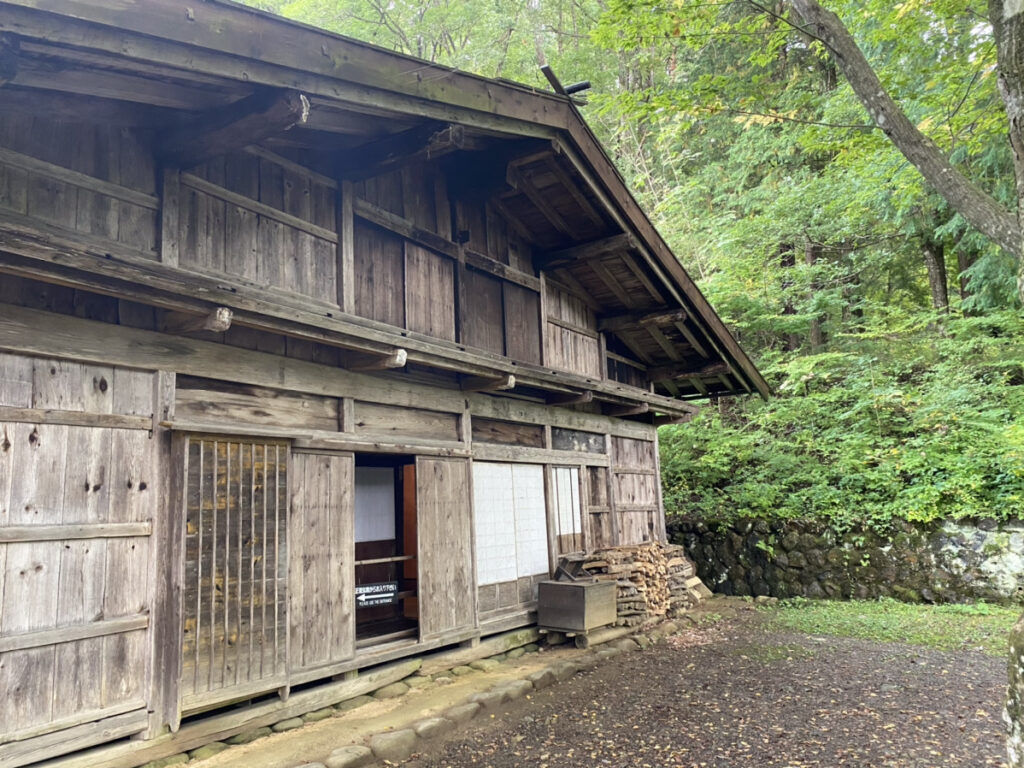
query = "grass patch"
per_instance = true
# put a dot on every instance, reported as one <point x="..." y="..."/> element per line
<point x="979" y="627"/>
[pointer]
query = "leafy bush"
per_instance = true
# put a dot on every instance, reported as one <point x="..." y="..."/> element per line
<point x="917" y="425"/>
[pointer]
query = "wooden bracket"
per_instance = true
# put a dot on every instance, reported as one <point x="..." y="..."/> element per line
<point x="628" y="410"/>
<point x="216" y="321"/>
<point x="226" y="129"/>
<point x="381" y="362"/>
<point x="488" y="384"/>
<point x="571" y="398"/>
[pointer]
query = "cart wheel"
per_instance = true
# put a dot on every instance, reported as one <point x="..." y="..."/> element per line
<point x="582" y="641"/>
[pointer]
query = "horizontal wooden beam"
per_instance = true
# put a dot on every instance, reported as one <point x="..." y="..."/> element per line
<point x="484" y="263"/>
<point x="629" y="320"/>
<point x="488" y="384"/>
<point x="596" y="249"/>
<point x="229" y="128"/>
<point x="68" y="532"/>
<point x="74" y="418"/>
<point x="255" y="206"/>
<point x="43" y="637"/>
<point x="404" y="228"/>
<point x="528" y="455"/>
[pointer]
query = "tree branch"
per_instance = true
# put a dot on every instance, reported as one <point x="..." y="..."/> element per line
<point x="980" y="210"/>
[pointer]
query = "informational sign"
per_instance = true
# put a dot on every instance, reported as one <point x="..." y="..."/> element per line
<point x="369" y="595"/>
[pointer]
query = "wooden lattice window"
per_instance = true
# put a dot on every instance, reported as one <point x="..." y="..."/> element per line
<point x="236" y="567"/>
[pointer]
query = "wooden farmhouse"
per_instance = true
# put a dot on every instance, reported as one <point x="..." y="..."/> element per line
<point x="312" y="357"/>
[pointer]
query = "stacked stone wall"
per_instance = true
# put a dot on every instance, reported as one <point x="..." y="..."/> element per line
<point x="940" y="562"/>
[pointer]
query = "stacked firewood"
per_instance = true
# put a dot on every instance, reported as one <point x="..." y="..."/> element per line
<point x="654" y="580"/>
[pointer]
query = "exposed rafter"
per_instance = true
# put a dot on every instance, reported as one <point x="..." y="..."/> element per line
<point x="522" y="183"/>
<point x="226" y="129"/>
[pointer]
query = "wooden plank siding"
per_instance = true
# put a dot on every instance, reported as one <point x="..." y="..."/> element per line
<point x="322" y="561"/>
<point x="76" y="505"/>
<point x="444" y="516"/>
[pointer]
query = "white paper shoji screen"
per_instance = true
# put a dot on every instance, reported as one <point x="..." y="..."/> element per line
<point x="566" y="481"/>
<point x="511" y="521"/>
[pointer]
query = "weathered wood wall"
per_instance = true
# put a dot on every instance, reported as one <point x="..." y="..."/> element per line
<point x="77" y="501"/>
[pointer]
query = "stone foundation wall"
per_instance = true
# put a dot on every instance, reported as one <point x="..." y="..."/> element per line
<point x="943" y="562"/>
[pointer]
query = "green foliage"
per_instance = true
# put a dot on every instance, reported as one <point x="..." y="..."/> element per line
<point x="903" y="422"/>
<point x="981" y="626"/>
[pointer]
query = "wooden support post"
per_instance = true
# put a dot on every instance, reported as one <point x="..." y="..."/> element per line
<point x="382" y="362"/>
<point x="170" y="202"/>
<point x="488" y="384"/>
<point x="229" y="128"/>
<point x="217" y="321"/>
<point x="346" y="249"/>
<point x="9" y="51"/>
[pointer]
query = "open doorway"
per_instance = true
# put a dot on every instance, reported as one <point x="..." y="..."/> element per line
<point x="385" y="542"/>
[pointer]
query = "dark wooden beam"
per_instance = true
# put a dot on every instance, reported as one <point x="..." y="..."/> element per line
<point x="229" y="128"/>
<point x="488" y="384"/>
<point x="629" y="320"/>
<point x="404" y="228"/>
<point x="671" y="372"/>
<point x="596" y="249"/>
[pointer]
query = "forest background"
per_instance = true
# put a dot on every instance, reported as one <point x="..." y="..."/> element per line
<point x="889" y="328"/>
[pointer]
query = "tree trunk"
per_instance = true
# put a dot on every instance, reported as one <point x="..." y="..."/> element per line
<point x="980" y="210"/>
<point x="935" y="261"/>
<point x="787" y="260"/>
<point x="817" y="334"/>
<point x="964" y="261"/>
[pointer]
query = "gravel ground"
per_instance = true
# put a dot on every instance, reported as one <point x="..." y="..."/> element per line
<point x="732" y="695"/>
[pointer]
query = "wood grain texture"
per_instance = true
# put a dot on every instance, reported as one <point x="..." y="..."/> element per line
<point x="447" y="588"/>
<point x="322" y="570"/>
